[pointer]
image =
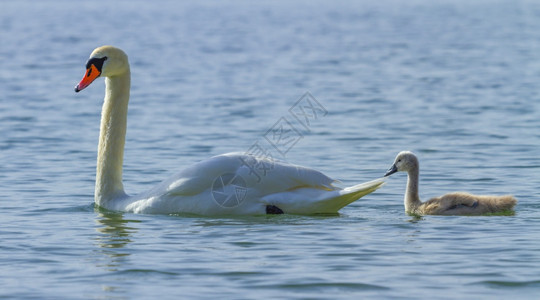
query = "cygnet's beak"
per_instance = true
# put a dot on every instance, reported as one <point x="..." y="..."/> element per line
<point x="91" y="74"/>
<point x="392" y="170"/>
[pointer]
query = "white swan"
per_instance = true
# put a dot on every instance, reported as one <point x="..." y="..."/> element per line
<point x="228" y="184"/>
<point x="450" y="204"/>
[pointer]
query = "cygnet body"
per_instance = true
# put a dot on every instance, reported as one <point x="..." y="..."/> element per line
<point x="458" y="203"/>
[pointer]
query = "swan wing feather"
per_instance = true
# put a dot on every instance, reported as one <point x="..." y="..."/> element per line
<point x="266" y="175"/>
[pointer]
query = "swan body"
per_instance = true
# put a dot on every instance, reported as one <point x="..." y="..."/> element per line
<point x="458" y="203"/>
<point x="226" y="184"/>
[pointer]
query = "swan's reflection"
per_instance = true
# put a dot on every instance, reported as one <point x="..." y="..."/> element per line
<point x="113" y="235"/>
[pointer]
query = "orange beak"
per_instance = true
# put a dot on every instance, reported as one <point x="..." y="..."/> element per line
<point x="91" y="74"/>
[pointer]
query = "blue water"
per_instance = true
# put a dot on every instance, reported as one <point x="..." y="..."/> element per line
<point x="457" y="82"/>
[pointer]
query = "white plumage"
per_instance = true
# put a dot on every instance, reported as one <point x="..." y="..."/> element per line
<point x="222" y="185"/>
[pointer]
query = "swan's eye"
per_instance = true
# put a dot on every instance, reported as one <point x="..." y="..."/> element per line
<point x="97" y="62"/>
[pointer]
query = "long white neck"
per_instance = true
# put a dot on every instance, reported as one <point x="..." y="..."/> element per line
<point x="412" y="200"/>
<point x="112" y="138"/>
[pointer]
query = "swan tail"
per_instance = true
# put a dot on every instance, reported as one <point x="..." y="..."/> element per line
<point x="351" y="194"/>
<point x="467" y="204"/>
<point x="497" y="204"/>
<point x="320" y="201"/>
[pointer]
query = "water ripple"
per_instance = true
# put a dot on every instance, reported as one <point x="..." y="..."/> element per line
<point x="454" y="81"/>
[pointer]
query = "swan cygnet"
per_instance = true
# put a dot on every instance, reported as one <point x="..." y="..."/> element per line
<point x="227" y="184"/>
<point x="458" y="203"/>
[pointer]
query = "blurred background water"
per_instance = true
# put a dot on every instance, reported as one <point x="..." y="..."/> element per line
<point x="454" y="81"/>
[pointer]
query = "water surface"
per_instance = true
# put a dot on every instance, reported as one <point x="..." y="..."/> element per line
<point x="454" y="81"/>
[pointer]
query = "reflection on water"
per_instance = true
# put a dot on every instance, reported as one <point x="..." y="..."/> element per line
<point x="453" y="80"/>
<point x="415" y="219"/>
<point x="113" y="236"/>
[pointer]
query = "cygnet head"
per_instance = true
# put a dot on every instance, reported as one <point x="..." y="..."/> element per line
<point x="107" y="61"/>
<point x="404" y="162"/>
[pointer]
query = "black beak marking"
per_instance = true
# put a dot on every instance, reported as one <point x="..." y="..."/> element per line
<point x="97" y="62"/>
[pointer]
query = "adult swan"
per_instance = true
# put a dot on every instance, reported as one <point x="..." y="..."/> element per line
<point x="222" y="185"/>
